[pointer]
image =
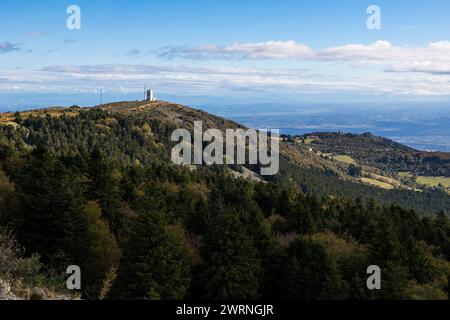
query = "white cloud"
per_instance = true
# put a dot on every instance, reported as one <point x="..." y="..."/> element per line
<point x="356" y="52"/>
<point x="433" y="58"/>
<point x="260" y="50"/>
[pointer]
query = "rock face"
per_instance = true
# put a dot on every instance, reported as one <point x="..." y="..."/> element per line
<point x="30" y="294"/>
<point x="5" y="291"/>
<point x="9" y="296"/>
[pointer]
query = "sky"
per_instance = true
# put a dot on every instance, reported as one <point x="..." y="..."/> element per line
<point x="223" y="51"/>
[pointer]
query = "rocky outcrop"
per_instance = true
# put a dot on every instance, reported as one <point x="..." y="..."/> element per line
<point x="8" y="293"/>
<point x="5" y="291"/>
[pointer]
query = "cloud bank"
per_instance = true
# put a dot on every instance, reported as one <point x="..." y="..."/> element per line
<point x="261" y="50"/>
<point x="380" y="68"/>
<point x="433" y="58"/>
<point x="216" y="80"/>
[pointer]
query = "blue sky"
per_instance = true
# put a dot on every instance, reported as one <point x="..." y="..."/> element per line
<point x="250" y="50"/>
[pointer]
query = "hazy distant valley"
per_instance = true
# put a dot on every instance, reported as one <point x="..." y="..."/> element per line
<point x="421" y="126"/>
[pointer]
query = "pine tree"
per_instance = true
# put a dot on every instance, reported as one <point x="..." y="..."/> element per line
<point x="232" y="267"/>
<point x="51" y="198"/>
<point x="420" y="267"/>
<point x="100" y="252"/>
<point x="154" y="265"/>
<point x="104" y="187"/>
<point x="307" y="273"/>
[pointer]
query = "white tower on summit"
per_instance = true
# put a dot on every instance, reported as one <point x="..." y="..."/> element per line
<point x="151" y="95"/>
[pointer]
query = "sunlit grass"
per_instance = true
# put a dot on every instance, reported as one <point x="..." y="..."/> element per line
<point x="434" y="181"/>
<point x="405" y="174"/>
<point x="345" y="159"/>
<point x="378" y="183"/>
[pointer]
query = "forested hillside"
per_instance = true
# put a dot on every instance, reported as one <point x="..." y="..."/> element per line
<point x="384" y="154"/>
<point x="96" y="188"/>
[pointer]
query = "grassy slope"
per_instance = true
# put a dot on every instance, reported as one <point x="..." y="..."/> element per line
<point x="434" y="181"/>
